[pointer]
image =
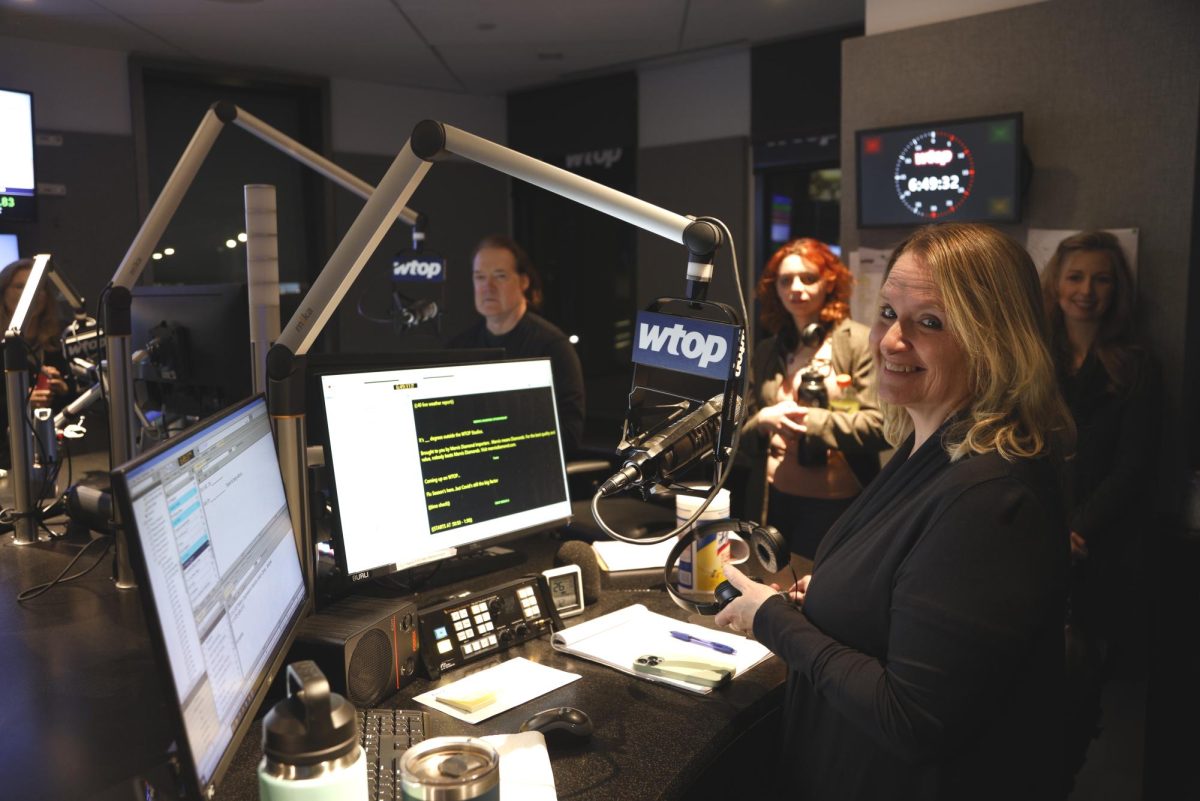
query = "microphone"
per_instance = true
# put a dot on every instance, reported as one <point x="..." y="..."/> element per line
<point x="411" y="313"/>
<point x="576" y="552"/>
<point x="83" y="338"/>
<point x="672" y="450"/>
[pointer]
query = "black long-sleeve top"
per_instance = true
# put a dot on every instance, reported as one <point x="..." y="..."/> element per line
<point x="535" y="336"/>
<point x="927" y="662"/>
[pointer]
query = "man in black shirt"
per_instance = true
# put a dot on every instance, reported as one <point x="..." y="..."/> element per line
<point x="507" y="287"/>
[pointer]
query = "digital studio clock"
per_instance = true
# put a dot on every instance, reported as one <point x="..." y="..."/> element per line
<point x="934" y="174"/>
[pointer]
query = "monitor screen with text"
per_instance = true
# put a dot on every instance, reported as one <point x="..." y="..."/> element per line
<point x="216" y="561"/>
<point x="429" y="461"/>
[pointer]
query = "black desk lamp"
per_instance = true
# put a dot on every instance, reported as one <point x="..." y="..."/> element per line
<point x="433" y="141"/>
<point x="115" y="313"/>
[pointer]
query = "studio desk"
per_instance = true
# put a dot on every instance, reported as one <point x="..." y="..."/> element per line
<point x="81" y="709"/>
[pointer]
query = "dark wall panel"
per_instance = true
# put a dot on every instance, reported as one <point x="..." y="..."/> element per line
<point x="701" y="179"/>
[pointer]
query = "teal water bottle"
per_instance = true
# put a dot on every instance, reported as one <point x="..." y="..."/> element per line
<point x="310" y="743"/>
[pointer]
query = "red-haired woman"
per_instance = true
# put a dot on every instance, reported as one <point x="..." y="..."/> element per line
<point x="821" y="435"/>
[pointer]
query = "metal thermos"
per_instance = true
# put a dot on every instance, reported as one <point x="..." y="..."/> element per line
<point x="450" y="769"/>
<point x="310" y="743"/>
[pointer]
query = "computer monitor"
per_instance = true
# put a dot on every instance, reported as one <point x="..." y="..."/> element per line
<point x="430" y="462"/>
<point x="9" y="249"/>
<point x="215" y="559"/>
<point x="319" y="364"/>
<point x="18" y="181"/>
<point x="199" y="342"/>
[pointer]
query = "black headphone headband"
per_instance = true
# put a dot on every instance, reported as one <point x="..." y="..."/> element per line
<point x="766" y="542"/>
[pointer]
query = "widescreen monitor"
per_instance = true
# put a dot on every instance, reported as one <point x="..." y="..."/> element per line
<point x="429" y="462"/>
<point x="215" y="559"/>
<point x="956" y="170"/>
<point x="18" y="186"/>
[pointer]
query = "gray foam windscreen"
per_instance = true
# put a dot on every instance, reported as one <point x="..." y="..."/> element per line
<point x="575" y="552"/>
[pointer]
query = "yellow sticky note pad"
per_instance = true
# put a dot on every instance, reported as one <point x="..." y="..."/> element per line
<point x="467" y="700"/>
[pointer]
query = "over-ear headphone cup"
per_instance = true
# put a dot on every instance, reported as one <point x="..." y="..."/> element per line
<point x="771" y="548"/>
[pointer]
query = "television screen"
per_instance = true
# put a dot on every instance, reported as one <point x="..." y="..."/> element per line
<point x="17" y="183"/>
<point x="959" y="170"/>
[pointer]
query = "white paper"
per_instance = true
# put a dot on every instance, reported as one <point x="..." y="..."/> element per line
<point x="616" y="556"/>
<point x="514" y="682"/>
<point x="525" y="771"/>
<point x="867" y="265"/>
<point x="620" y="637"/>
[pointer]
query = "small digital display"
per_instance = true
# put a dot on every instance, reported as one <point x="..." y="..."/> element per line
<point x="959" y="170"/>
<point x="562" y="590"/>
<point x="440" y="633"/>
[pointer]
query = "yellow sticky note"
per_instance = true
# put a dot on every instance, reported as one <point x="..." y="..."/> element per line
<point x="467" y="700"/>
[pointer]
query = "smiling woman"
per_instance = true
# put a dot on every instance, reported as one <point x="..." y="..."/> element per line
<point x="1112" y="386"/>
<point x="926" y="653"/>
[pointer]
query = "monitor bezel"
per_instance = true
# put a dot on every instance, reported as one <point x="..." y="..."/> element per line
<point x="33" y="214"/>
<point x="186" y="772"/>
<point x="1019" y="151"/>
<point x="381" y="571"/>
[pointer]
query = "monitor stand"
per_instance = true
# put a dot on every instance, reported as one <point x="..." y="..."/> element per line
<point x="472" y="565"/>
<point x="448" y="571"/>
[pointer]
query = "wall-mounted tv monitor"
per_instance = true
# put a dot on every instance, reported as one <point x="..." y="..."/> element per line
<point x="18" y="202"/>
<point x="429" y="462"/>
<point x="955" y="170"/>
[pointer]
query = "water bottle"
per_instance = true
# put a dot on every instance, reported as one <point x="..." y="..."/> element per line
<point x="310" y="743"/>
<point x="812" y="451"/>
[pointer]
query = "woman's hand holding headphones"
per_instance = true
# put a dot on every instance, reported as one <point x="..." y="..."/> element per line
<point x="739" y="614"/>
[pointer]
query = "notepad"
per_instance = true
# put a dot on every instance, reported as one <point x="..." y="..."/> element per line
<point x="620" y="637"/>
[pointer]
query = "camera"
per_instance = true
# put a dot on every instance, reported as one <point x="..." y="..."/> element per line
<point x="812" y="451"/>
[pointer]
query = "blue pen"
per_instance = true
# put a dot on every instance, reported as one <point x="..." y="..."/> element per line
<point x="716" y="646"/>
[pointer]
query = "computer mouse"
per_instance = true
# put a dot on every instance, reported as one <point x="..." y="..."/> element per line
<point x="563" y="725"/>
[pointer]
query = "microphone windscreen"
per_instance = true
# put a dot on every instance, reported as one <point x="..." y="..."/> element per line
<point x="576" y="552"/>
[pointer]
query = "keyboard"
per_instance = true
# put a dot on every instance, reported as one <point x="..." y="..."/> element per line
<point x="385" y="734"/>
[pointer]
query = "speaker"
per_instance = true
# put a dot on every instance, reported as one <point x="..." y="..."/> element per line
<point x="366" y="647"/>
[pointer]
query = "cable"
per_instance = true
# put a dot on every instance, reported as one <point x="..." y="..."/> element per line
<point x="62" y="578"/>
<point x="734" y="443"/>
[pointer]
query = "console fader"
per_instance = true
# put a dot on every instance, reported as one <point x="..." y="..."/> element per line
<point x="480" y="624"/>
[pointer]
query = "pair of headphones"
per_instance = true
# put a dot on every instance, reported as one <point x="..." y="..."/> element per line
<point x="765" y="541"/>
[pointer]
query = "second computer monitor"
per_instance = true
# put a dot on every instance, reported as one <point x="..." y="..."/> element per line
<point x="429" y="461"/>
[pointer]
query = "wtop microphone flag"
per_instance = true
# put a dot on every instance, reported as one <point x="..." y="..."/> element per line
<point x="413" y="267"/>
<point x="688" y="345"/>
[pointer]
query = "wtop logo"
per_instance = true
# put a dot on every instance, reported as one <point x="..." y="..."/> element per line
<point x="415" y="268"/>
<point x="700" y="347"/>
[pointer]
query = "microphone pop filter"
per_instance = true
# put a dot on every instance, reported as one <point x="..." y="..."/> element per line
<point x="576" y="552"/>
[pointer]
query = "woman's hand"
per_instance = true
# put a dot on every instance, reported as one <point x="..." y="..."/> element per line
<point x="798" y="590"/>
<point x="49" y="383"/>
<point x="739" y="614"/>
<point x="785" y="418"/>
